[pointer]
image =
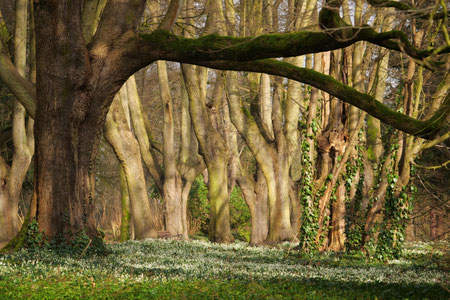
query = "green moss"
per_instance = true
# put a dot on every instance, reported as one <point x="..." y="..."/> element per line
<point x="425" y="129"/>
<point x="247" y="112"/>
<point x="373" y="133"/>
<point x="218" y="47"/>
<point x="125" y="200"/>
<point x="20" y="239"/>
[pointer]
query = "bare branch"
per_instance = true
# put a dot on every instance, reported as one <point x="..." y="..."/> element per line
<point x="413" y="11"/>
<point x="172" y="15"/>
<point x="435" y="141"/>
<point x="432" y="167"/>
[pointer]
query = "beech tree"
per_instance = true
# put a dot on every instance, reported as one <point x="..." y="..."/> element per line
<point x="77" y="81"/>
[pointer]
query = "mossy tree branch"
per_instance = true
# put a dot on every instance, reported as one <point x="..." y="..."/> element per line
<point x="164" y="45"/>
<point x="331" y="22"/>
<point x="427" y="129"/>
<point x="404" y="7"/>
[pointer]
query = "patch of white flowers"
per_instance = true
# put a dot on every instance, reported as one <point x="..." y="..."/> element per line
<point x="178" y="260"/>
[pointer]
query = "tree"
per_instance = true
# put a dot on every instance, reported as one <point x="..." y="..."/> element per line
<point x="13" y="176"/>
<point x="77" y="82"/>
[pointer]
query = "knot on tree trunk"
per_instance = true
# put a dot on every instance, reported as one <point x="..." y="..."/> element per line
<point x="333" y="140"/>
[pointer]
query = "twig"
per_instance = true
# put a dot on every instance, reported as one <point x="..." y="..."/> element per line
<point x="84" y="251"/>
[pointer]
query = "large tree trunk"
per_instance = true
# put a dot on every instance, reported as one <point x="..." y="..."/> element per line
<point x="66" y="137"/>
<point x="65" y="181"/>
<point x="74" y="91"/>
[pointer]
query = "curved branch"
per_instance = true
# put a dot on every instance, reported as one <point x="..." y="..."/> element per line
<point x="432" y="167"/>
<point x="404" y="7"/>
<point x="22" y="88"/>
<point x="335" y="26"/>
<point x="435" y="142"/>
<point x="163" y="45"/>
<point x="427" y="129"/>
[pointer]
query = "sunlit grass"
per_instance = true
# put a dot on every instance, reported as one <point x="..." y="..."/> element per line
<point x="165" y="268"/>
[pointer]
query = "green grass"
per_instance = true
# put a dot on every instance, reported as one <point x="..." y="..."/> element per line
<point x="162" y="269"/>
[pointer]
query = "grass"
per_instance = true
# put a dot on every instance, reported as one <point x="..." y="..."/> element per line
<point x="164" y="269"/>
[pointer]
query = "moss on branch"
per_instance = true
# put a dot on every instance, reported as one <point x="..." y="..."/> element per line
<point x="216" y="47"/>
<point x="404" y="7"/>
<point x="427" y="129"/>
<point x="163" y="45"/>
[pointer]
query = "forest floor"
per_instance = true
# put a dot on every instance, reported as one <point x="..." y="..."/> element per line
<point x="166" y="269"/>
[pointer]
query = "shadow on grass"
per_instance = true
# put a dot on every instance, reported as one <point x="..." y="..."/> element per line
<point x="280" y="289"/>
<point x="110" y="288"/>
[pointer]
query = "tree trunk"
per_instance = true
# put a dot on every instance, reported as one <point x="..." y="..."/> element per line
<point x="337" y="231"/>
<point x="64" y="177"/>
<point x="142" y="135"/>
<point x="255" y="195"/>
<point x="22" y="131"/>
<point x="215" y="154"/>
<point x="172" y="186"/>
<point x="273" y="164"/>
<point x="126" y="147"/>
<point x="260" y="228"/>
<point x="8" y="216"/>
<point x="125" y="202"/>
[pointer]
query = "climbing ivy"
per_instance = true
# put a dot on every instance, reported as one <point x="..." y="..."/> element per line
<point x="310" y="208"/>
<point x="354" y="228"/>
<point x="396" y="211"/>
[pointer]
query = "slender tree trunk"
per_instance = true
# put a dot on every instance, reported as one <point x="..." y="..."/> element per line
<point x="255" y="195"/>
<point x="142" y="135"/>
<point x="7" y="214"/>
<point x="172" y="186"/>
<point x="337" y="231"/>
<point x="190" y="163"/>
<point x="125" y="202"/>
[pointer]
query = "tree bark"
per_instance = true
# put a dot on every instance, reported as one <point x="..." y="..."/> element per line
<point x="22" y="131"/>
<point x="172" y="186"/>
<point x="273" y="164"/>
<point x="8" y="215"/>
<point x="337" y="231"/>
<point x="215" y="154"/>
<point x="255" y="195"/>
<point x="125" y="203"/>
<point x="126" y="147"/>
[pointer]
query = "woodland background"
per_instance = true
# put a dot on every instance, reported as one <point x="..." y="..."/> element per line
<point x="343" y="180"/>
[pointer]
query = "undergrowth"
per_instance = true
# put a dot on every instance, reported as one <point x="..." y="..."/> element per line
<point x="166" y="269"/>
